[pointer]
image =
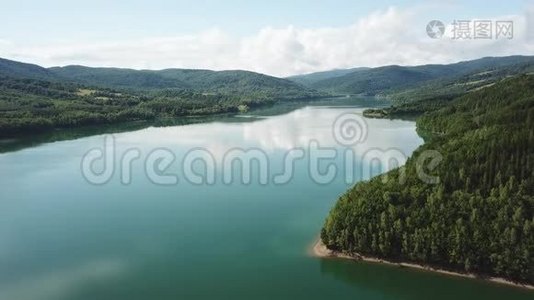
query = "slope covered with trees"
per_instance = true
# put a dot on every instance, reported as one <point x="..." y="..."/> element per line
<point x="408" y="83"/>
<point x="312" y="78"/>
<point x="479" y="216"/>
<point x="9" y="68"/>
<point x="377" y="80"/>
<point x="202" y="81"/>
<point x="35" y="99"/>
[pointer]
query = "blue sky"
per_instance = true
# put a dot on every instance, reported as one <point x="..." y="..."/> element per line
<point x="63" y="19"/>
<point x="59" y="32"/>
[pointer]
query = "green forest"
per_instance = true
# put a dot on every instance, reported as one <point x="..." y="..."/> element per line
<point x="35" y="99"/>
<point x="479" y="115"/>
<point x="479" y="216"/>
<point x="403" y="84"/>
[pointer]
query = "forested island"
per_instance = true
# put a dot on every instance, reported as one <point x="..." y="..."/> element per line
<point x="478" y="218"/>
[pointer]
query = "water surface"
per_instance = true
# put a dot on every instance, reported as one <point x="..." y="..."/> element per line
<point x="64" y="238"/>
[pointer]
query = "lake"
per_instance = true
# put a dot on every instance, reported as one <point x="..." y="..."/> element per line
<point x="151" y="231"/>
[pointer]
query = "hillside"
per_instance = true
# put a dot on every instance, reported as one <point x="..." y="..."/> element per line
<point x="204" y="81"/>
<point x="404" y="83"/>
<point x="438" y="93"/>
<point x="116" y="78"/>
<point x="35" y="99"/>
<point x="312" y="78"/>
<point x="31" y="105"/>
<point x="10" y="68"/>
<point x="461" y="84"/>
<point x="378" y="80"/>
<point x="479" y="216"/>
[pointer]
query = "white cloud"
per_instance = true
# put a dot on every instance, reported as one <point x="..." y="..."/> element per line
<point x="392" y="36"/>
<point x="279" y="133"/>
<point x="529" y="30"/>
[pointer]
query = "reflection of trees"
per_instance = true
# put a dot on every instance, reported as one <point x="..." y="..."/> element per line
<point x="390" y="282"/>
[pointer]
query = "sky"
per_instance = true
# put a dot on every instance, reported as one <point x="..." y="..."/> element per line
<point x="279" y="38"/>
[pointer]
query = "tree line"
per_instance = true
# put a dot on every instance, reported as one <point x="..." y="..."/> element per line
<point x="479" y="217"/>
<point x="33" y="105"/>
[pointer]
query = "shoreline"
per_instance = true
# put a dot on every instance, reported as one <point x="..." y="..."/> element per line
<point x="319" y="250"/>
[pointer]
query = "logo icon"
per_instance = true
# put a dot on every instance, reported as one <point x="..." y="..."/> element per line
<point x="350" y="129"/>
<point x="435" y="29"/>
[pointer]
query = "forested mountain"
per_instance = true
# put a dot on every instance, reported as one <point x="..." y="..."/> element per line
<point x="437" y="93"/>
<point x="379" y="80"/>
<point x="204" y="81"/>
<point x="479" y="216"/>
<point x="34" y="99"/>
<point x="312" y="78"/>
<point x="459" y="85"/>
<point x="9" y="68"/>
<point x="403" y="82"/>
<point x="117" y="78"/>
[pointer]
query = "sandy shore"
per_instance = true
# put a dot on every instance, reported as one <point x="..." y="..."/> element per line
<point x="318" y="249"/>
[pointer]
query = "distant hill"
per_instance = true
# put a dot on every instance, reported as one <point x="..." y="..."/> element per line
<point x="23" y="70"/>
<point x="462" y="83"/>
<point x="391" y="79"/>
<point x="234" y="82"/>
<point x="116" y="78"/>
<point x="202" y="81"/>
<point x="312" y="78"/>
<point x="225" y="82"/>
<point x="35" y="99"/>
<point x="377" y="80"/>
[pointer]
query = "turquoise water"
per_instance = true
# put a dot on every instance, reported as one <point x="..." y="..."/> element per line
<point x="62" y="237"/>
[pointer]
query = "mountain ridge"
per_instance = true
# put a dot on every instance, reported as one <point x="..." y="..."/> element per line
<point x="36" y="99"/>
<point x="388" y="80"/>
